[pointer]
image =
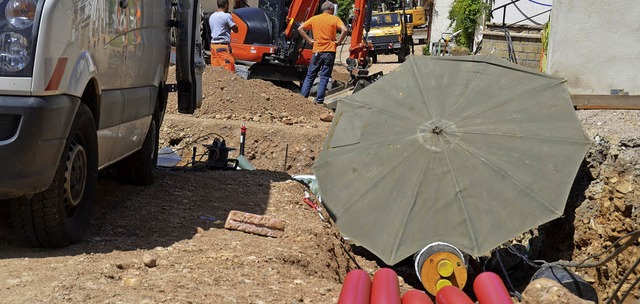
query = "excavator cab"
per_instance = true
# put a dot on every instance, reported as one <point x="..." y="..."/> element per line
<point x="267" y="45"/>
<point x="277" y="11"/>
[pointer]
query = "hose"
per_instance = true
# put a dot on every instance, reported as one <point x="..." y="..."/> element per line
<point x="540" y="3"/>
<point x="629" y="239"/>
<point x="614" y="294"/>
<point x="504" y="270"/>
<point x="510" y="50"/>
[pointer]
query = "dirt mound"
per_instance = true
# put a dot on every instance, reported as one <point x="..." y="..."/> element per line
<point x="265" y="108"/>
<point x="290" y="149"/>
<point x="228" y="96"/>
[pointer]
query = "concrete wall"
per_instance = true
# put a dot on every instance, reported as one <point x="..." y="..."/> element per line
<point x="209" y="5"/>
<point x="595" y="45"/>
<point x="524" y="12"/>
<point x="440" y="23"/>
<point x="525" y="40"/>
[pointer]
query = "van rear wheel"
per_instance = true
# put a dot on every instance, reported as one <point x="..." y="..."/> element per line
<point x="59" y="215"/>
<point x="138" y="168"/>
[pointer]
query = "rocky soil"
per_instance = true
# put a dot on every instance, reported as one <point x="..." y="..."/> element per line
<point x="611" y="205"/>
<point x="166" y="243"/>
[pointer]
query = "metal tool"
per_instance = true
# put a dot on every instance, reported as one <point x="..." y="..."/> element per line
<point x="307" y="199"/>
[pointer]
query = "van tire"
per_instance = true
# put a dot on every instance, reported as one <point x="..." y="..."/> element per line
<point x="59" y="215"/>
<point x="138" y="168"/>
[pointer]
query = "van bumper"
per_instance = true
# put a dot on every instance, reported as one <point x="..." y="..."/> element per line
<point x="33" y="132"/>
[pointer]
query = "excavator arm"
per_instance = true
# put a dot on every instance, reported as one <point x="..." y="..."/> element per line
<point x="359" y="29"/>
<point x="270" y="45"/>
<point x="359" y="62"/>
<point x="299" y="12"/>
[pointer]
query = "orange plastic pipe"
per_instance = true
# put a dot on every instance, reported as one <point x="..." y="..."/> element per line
<point x="490" y="289"/>
<point x="452" y="295"/>
<point x="356" y="288"/>
<point x="385" y="288"/>
<point x="415" y="296"/>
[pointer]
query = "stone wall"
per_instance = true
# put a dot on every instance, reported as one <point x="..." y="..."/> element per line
<point x="526" y="43"/>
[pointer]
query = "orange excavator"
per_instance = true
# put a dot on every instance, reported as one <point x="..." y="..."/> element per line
<point x="269" y="46"/>
<point x="359" y="60"/>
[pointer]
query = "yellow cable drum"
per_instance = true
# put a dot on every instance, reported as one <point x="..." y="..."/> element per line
<point x="440" y="264"/>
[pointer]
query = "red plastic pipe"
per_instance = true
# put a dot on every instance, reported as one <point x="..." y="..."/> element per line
<point x="356" y="288"/>
<point x="490" y="289"/>
<point x="385" y="288"/>
<point x="415" y="296"/>
<point x="452" y="295"/>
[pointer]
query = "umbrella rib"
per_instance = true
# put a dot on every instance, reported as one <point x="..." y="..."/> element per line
<point x="523" y="136"/>
<point x="422" y="90"/>
<point x="459" y="194"/>
<point x="501" y="172"/>
<point x="355" y="147"/>
<point x="487" y="59"/>
<point x="507" y="99"/>
<point x="375" y="182"/>
<point x="415" y="193"/>
<point x="404" y="120"/>
<point x="464" y="92"/>
<point x="522" y="70"/>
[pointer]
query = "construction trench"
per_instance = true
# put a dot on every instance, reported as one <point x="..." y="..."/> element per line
<point x="167" y="242"/>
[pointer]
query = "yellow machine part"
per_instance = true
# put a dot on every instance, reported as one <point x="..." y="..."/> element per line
<point x="443" y="269"/>
<point x="419" y="16"/>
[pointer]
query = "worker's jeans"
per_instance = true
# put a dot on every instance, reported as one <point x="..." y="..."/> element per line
<point x="323" y="63"/>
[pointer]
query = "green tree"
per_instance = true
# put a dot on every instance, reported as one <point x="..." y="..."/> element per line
<point x="345" y="8"/>
<point x="464" y="15"/>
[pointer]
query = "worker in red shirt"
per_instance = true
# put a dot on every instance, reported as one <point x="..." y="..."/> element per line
<point x="324" y="27"/>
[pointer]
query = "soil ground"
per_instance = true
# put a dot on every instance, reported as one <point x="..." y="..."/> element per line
<point x="178" y="221"/>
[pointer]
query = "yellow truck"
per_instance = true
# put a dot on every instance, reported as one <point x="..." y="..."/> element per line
<point x="387" y="35"/>
<point x="417" y="19"/>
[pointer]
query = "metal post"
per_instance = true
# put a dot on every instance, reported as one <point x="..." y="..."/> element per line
<point x="243" y="132"/>
<point x="405" y="37"/>
<point x="286" y="155"/>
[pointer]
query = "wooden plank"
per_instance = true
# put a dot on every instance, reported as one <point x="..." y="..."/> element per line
<point x="255" y="224"/>
<point x="606" y="102"/>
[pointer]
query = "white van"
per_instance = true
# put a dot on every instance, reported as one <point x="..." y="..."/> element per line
<point x="83" y="86"/>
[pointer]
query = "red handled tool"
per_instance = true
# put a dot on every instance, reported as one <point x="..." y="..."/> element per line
<point x="307" y="199"/>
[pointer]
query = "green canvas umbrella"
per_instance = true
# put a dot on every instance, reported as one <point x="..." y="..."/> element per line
<point x="470" y="151"/>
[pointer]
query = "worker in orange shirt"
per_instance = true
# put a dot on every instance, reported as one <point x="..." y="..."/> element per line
<point x="324" y="27"/>
<point x="221" y="25"/>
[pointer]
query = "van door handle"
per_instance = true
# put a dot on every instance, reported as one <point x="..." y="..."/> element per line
<point x="123" y="3"/>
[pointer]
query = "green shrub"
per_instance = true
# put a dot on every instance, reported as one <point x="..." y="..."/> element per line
<point x="465" y="15"/>
<point x="345" y="8"/>
<point x="425" y="50"/>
